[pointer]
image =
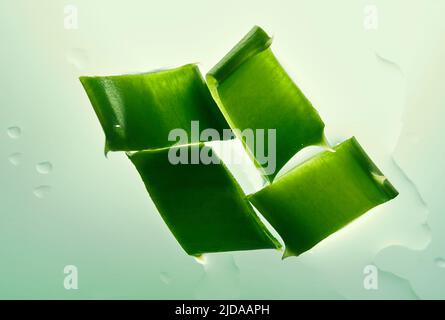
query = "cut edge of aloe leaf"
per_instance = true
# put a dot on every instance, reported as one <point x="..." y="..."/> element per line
<point x="255" y="41"/>
<point x="153" y="71"/>
<point x="365" y="160"/>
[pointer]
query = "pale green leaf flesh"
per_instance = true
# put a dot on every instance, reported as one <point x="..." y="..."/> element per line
<point x="322" y="195"/>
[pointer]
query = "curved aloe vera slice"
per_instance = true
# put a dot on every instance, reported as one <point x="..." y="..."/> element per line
<point x="203" y="205"/>
<point x="253" y="91"/>
<point x="322" y="195"/>
<point x="138" y="111"/>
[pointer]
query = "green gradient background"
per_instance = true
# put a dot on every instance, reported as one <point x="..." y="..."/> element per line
<point x="98" y="216"/>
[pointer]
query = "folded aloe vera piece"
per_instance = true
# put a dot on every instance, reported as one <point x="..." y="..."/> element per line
<point x="254" y="91"/>
<point x="204" y="207"/>
<point x="138" y="111"/>
<point x="322" y="195"/>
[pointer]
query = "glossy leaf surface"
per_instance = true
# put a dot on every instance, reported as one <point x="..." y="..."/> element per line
<point x="138" y="111"/>
<point x="203" y="205"/>
<point x="322" y="195"/>
<point x="253" y="91"/>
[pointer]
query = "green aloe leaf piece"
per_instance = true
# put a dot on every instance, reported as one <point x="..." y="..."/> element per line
<point x="320" y="196"/>
<point x="254" y="91"/>
<point x="138" y="111"/>
<point x="204" y="207"/>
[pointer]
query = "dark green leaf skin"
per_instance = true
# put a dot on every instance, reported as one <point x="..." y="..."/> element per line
<point x="322" y="195"/>
<point x="203" y="205"/>
<point x="253" y="91"/>
<point x="138" y="111"/>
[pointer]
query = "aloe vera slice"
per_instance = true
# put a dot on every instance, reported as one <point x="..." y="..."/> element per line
<point x="138" y="111"/>
<point x="322" y="195"/>
<point x="204" y="207"/>
<point x="254" y="91"/>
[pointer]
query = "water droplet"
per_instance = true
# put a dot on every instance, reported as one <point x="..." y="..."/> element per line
<point x="14" y="132"/>
<point x="77" y="58"/>
<point x="15" y="158"/>
<point x="165" y="277"/>
<point x="44" y="167"/>
<point x="42" y="191"/>
<point x="440" y="262"/>
<point x="117" y="126"/>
